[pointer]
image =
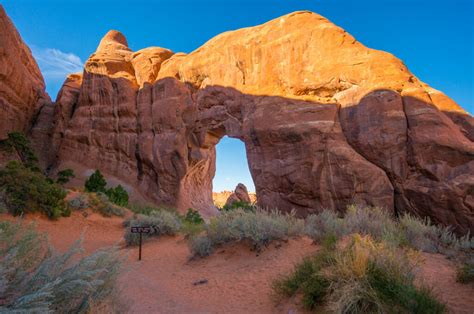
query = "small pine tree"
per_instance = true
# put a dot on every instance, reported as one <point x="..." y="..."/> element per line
<point x="25" y="190"/>
<point x="64" y="176"/>
<point x="118" y="195"/>
<point x="96" y="183"/>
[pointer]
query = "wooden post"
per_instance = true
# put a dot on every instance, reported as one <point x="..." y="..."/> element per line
<point x="140" y="249"/>
<point x="140" y="230"/>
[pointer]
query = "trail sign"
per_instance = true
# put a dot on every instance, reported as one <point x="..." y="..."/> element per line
<point x="140" y="230"/>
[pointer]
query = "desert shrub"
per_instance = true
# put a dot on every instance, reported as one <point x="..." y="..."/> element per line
<point x="363" y="277"/>
<point x="25" y="190"/>
<point x="465" y="272"/>
<point x="304" y="279"/>
<point x="161" y="223"/>
<point x="147" y="209"/>
<point x="448" y="239"/>
<point x="192" y="223"/>
<point x="64" y="176"/>
<point x="193" y="216"/>
<point x="118" y="195"/>
<point x="79" y="202"/>
<point x="96" y="183"/>
<point x="419" y="233"/>
<point x="259" y="227"/>
<point x="100" y="203"/>
<point x="201" y="246"/>
<point x="35" y="279"/>
<point x="239" y="205"/>
<point x="19" y="143"/>
<point x="373" y="221"/>
<point x="319" y="226"/>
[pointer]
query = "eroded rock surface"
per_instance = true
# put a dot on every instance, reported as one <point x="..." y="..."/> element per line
<point x="326" y="122"/>
<point x="22" y="89"/>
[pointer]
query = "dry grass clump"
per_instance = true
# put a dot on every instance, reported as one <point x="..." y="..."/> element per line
<point x="259" y="228"/>
<point x="364" y="277"/>
<point x="35" y="279"/>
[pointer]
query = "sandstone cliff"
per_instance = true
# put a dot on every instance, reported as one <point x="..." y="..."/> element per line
<point x="22" y="89"/>
<point x="325" y="120"/>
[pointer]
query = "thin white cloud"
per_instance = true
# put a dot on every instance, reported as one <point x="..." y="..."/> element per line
<point x="55" y="64"/>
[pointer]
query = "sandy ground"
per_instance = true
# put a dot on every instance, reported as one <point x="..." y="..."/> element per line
<point x="237" y="280"/>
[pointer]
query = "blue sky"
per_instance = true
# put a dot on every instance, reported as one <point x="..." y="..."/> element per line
<point x="434" y="38"/>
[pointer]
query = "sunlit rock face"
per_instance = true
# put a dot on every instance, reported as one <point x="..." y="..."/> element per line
<point x="240" y="195"/>
<point x="22" y="89"/>
<point x="326" y="122"/>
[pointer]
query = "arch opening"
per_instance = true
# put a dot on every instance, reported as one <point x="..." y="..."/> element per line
<point x="232" y="168"/>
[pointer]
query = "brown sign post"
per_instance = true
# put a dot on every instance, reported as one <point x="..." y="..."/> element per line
<point x="140" y="231"/>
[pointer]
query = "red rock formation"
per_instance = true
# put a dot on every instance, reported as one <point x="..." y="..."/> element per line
<point x="22" y="89"/>
<point x="325" y="120"/>
<point x="240" y="194"/>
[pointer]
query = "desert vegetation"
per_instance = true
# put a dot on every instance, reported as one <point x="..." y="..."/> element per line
<point x="258" y="228"/>
<point x="408" y="230"/>
<point x="96" y="183"/>
<point x="36" y="279"/>
<point x="24" y="188"/>
<point x="238" y="205"/>
<point x="365" y="276"/>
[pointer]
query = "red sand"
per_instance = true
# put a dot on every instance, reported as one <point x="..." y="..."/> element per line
<point x="238" y="281"/>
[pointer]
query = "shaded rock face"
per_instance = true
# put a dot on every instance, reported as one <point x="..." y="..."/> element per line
<point x="22" y="89"/>
<point x="240" y="194"/>
<point x="326" y="122"/>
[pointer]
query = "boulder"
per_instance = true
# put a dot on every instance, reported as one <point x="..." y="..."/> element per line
<point x="240" y="194"/>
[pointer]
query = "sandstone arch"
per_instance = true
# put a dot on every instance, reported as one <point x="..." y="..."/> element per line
<point x="325" y="120"/>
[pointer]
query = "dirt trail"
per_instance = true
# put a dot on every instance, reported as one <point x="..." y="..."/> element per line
<point x="238" y="281"/>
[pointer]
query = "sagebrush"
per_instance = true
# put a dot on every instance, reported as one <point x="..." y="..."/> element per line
<point x="36" y="279"/>
<point x="259" y="228"/>
<point x="408" y="230"/>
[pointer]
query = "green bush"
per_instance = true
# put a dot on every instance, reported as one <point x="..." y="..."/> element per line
<point x="192" y="223"/>
<point x="239" y="205"/>
<point x="19" y="143"/>
<point x="35" y="279"/>
<point x="64" y="176"/>
<point x="259" y="228"/>
<point x="25" y="190"/>
<point x="161" y="223"/>
<point x="364" y="277"/>
<point x="96" y="182"/>
<point x="118" y="195"/>
<point x="193" y="216"/>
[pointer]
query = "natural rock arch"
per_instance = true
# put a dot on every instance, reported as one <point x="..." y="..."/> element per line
<point x="325" y="120"/>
